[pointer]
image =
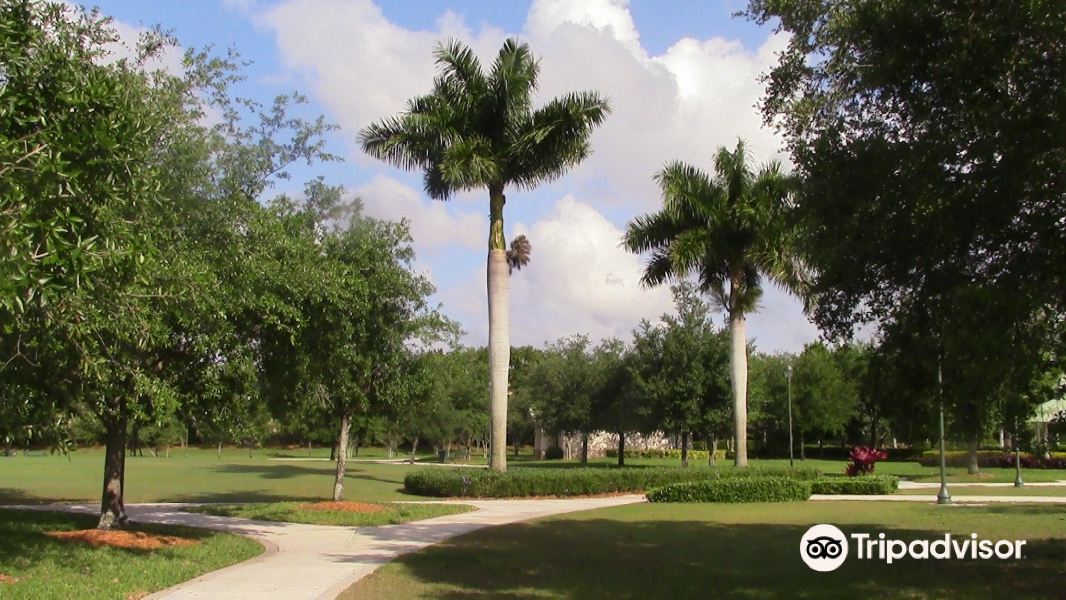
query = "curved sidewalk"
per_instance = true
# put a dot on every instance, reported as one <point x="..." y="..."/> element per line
<point x="318" y="561"/>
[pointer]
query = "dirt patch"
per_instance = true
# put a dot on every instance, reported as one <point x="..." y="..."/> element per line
<point x="355" y="507"/>
<point x="130" y="540"/>
<point x="8" y="579"/>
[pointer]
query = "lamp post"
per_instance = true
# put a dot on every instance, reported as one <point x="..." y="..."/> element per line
<point x="942" y="497"/>
<point x="1017" y="458"/>
<point x="788" y="375"/>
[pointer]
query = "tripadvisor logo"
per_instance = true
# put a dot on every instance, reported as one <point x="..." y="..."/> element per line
<point x="825" y="547"/>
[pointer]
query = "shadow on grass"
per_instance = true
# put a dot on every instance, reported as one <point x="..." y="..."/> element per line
<point x="274" y="471"/>
<point x="243" y="496"/>
<point x="696" y="559"/>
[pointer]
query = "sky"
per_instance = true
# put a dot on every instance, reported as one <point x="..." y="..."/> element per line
<point x="683" y="78"/>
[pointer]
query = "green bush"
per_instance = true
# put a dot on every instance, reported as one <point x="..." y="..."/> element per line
<point x="671" y="453"/>
<point x="868" y="485"/>
<point x="533" y="481"/>
<point x="989" y="459"/>
<point x="734" y="489"/>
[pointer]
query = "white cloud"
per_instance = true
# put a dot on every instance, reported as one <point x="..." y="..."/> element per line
<point x="681" y="104"/>
<point x="579" y="280"/>
<point x="433" y="223"/>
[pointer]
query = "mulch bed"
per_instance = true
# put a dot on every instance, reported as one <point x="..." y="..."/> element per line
<point x="355" y="507"/>
<point x="117" y="538"/>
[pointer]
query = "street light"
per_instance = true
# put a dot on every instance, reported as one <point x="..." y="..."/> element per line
<point x="1017" y="458"/>
<point x="788" y="374"/>
<point x="942" y="497"/>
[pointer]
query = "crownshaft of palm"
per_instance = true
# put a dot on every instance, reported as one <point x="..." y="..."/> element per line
<point x="729" y="232"/>
<point x="478" y="130"/>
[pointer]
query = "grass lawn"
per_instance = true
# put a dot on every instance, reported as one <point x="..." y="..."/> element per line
<point x="200" y="475"/>
<point x="49" y="568"/>
<point x="296" y="512"/>
<point x="707" y="551"/>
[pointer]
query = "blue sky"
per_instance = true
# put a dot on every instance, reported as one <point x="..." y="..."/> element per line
<point x="683" y="77"/>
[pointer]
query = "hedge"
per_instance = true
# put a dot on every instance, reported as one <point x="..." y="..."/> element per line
<point x="674" y="453"/>
<point x="994" y="459"/>
<point x="533" y="481"/>
<point x="867" y="485"/>
<point x="734" y="489"/>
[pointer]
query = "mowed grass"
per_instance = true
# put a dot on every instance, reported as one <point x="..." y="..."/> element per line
<point x="734" y="551"/>
<point x="51" y="568"/>
<point x="198" y="476"/>
<point x="298" y="512"/>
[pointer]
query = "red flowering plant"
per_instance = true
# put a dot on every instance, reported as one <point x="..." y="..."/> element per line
<point x="863" y="459"/>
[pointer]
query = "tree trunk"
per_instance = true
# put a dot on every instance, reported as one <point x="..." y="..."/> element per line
<point x="803" y="453"/>
<point x="112" y="509"/>
<point x="713" y="449"/>
<point x="684" y="449"/>
<point x="499" y="331"/>
<point x="414" y="450"/>
<point x="220" y="449"/>
<point x="621" y="448"/>
<point x="333" y="451"/>
<point x="584" y="449"/>
<point x="738" y="362"/>
<point x="342" y="448"/>
<point x="971" y="456"/>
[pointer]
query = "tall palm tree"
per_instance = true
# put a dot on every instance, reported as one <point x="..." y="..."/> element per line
<point x="730" y="232"/>
<point x="478" y="130"/>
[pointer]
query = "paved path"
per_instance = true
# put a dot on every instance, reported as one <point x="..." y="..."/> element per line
<point x="933" y="485"/>
<point x="931" y="498"/>
<point x="319" y="562"/>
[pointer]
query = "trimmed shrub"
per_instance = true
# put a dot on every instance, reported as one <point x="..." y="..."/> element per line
<point x="672" y="453"/>
<point x="553" y="453"/>
<point x="994" y="459"/>
<point x="533" y="481"/>
<point x="863" y="485"/>
<point x="734" y="489"/>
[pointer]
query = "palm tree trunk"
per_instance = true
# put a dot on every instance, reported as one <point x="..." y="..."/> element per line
<point x="342" y="455"/>
<point x="738" y="362"/>
<point x="499" y="334"/>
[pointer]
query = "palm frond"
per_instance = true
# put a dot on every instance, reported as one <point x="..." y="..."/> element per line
<point x="457" y="61"/>
<point x="468" y="163"/>
<point x="554" y="137"/>
<point x="513" y="78"/>
<point x="733" y="170"/>
<point x="651" y="232"/>
<point x="518" y="254"/>
<point x="688" y="192"/>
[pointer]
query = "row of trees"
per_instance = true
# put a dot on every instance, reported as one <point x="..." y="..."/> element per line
<point x="146" y="280"/>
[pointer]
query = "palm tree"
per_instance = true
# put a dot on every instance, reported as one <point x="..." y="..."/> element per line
<point x="729" y="232"/>
<point x="478" y="130"/>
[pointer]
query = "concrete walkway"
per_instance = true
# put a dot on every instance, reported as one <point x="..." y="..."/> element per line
<point x="932" y="485"/>
<point x="319" y="562"/>
<point x="931" y="498"/>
